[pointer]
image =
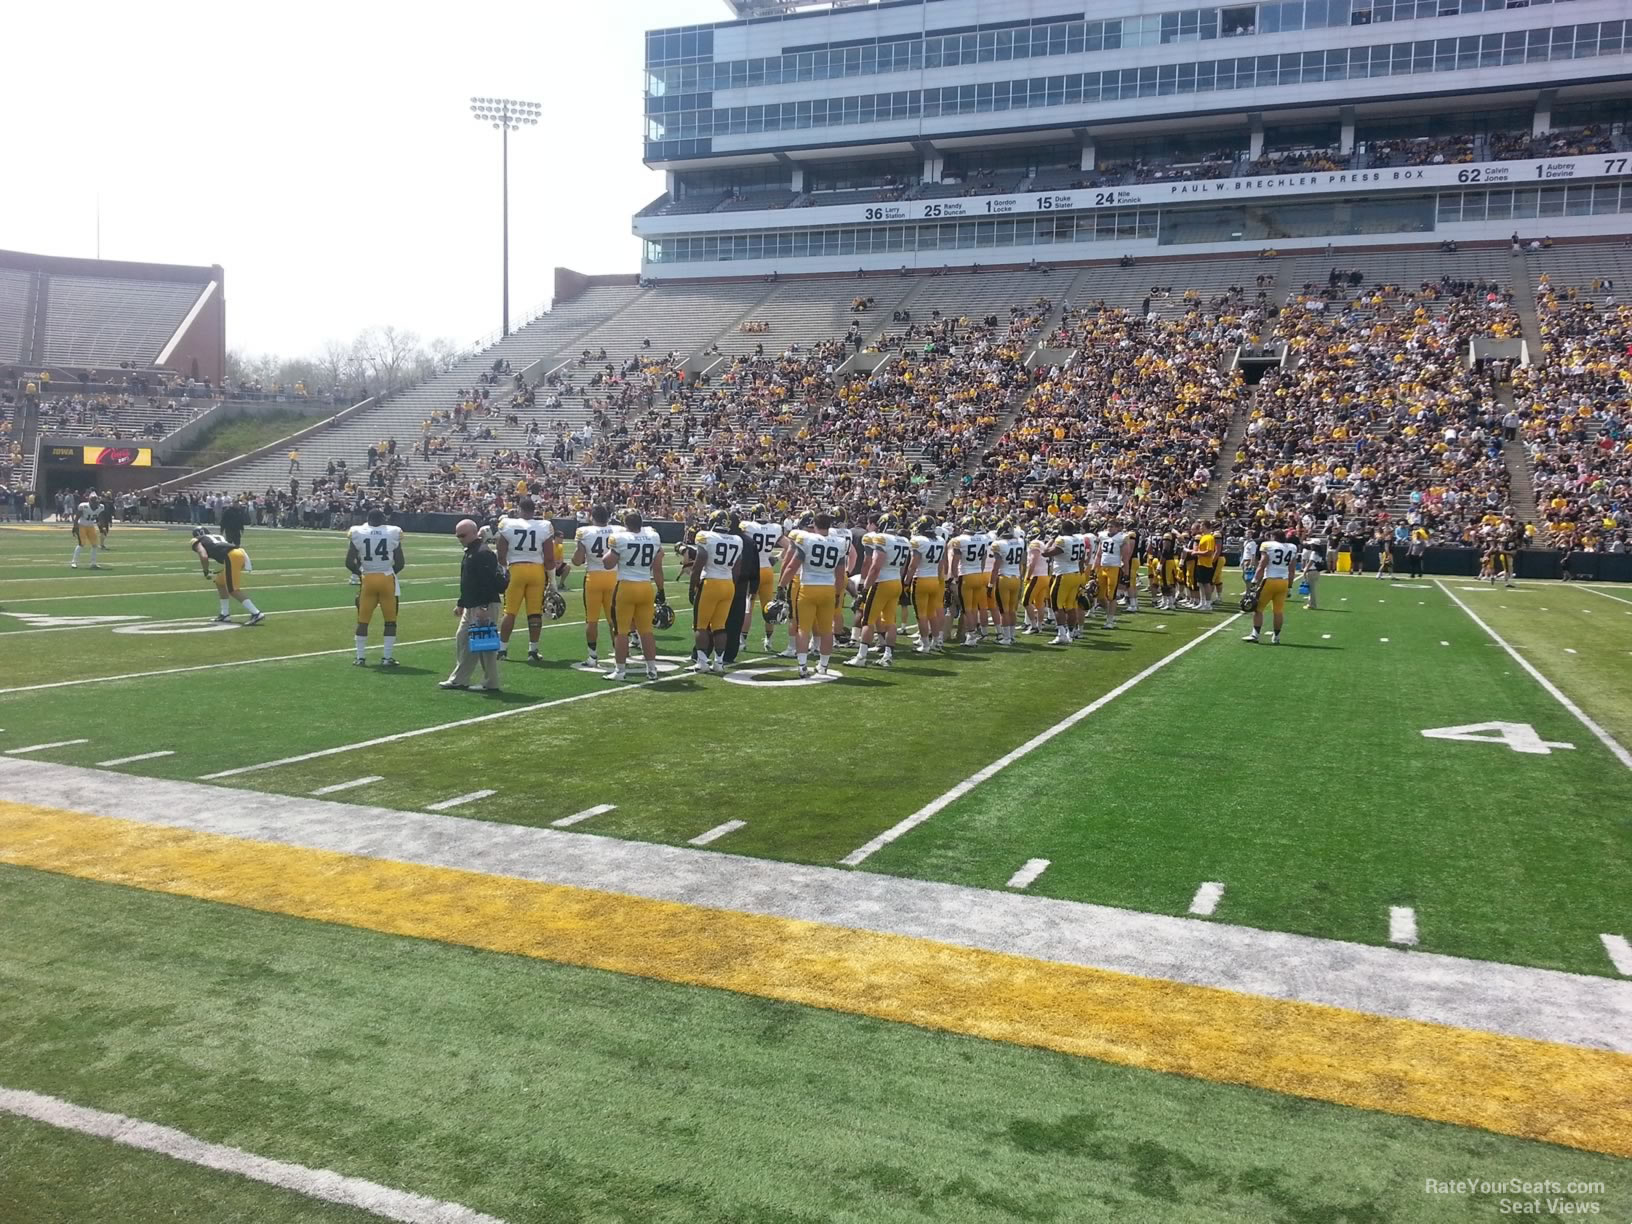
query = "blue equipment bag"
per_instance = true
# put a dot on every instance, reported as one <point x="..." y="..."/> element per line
<point x="483" y="639"/>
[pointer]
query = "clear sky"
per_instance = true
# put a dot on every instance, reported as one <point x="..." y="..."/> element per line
<point x="324" y="154"/>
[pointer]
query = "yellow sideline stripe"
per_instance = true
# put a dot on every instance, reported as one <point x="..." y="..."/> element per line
<point x="1532" y="1089"/>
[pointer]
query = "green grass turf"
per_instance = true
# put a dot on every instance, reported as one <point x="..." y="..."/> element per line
<point x="545" y="1093"/>
<point x="238" y="437"/>
<point x="51" y="1176"/>
<point x="1546" y="622"/>
<point x="1297" y="777"/>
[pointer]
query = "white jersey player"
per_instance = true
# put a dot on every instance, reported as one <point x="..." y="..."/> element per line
<point x="767" y="537"/>
<point x="589" y="552"/>
<point x="86" y="533"/>
<point x="374" y="555"/>
<point x="526" y="547"/>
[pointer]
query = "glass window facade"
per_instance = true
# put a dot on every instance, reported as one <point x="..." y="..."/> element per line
<point x="1524" y="203"/>
<point x="1267" y="221"/>
<point x="688" y="132"/>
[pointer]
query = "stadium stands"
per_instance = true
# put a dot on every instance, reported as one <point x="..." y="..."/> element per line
<point x="1576" y="408"/>
<point x="14" y="290"/>
<point x="102" y="321"/>
<point x="943" y="409"/>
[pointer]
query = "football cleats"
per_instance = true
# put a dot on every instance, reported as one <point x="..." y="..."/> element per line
<point x="555" y="605"/>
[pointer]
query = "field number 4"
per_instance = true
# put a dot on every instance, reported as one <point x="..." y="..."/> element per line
<point x="1521" y="737"/>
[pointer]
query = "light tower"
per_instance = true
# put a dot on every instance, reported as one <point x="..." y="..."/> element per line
<point x="505" y="114"/>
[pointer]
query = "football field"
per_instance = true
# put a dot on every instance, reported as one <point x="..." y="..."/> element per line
<point x="1162" y="925"/>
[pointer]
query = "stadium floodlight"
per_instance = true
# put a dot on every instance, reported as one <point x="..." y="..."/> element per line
<point x="506" y="114"/>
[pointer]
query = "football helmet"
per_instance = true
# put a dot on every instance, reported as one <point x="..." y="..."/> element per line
<point x="1005" y="528"/>
<point x="970" y="523"/>
<point x="555" y="605"/>
<point x="923" y="525"/>
<point x="777" y="611"/>
<point x="1084" y="600"/>
<point x="720" y="520"/>
<point x="889" y="522"/>
<point x="759" y="513"/>
<point x="662" y="614"/>
<point x="1249" y="601"/>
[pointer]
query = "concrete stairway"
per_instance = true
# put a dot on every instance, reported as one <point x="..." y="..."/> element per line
<point x="1524" y="300"/>
<point x="1206" y="505"/>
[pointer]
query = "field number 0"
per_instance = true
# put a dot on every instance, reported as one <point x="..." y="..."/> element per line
<point x="1521" y="737"/>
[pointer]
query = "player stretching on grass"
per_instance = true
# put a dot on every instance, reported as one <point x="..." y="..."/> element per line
<point x="234" y="563"/>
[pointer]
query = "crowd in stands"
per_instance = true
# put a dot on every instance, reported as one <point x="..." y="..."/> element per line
<point x="1422" y="151"/>
<point x="1132" y="423"/>
<point x="1377" y="416"/>
<point x="1576" y="419"/>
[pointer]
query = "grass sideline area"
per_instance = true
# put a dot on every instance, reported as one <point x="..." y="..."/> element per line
<point x="566" y="1093"/>
<point x="1298" y="778"/>
<point x="244" y="434"/>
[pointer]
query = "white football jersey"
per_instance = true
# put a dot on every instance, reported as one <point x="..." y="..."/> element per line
<point x="376" y="546"/>
<point x="766" y="537"/>
<point x="930" y="549"/>
<point x="1011" y="556"/>
<point x="970" y="550"/>
<point x="86" y="515"/>
<point x="842" y="537"/>
<point x="1069" y="559"/>
<point x="897" y="552"/>
<point x="526" y="538"/>
<point x="1277" y="558"/>
<point x="594" y="540"/>
<point x="1110" y="547"/>
<point x="719" y="551"/>
<point x="820" y="555"/>
<point x="635" y="551"/>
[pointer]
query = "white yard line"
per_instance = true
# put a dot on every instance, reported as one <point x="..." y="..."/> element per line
<point x="280" y="612"/>
<point x="1604" y="737"/>
<point x="140" y="756"/>
<point x="324" y="1185"/>
<point x="862" y="853"/>
<point x="566" y="822"/>
<point x="1606" y="595"/>
<point x="345" y="786"/>
<point x="42" y="747"/>
<point x="459" y="800"/>
<point x="198" y="667"/>
<point x="447" y="726"/>
<point x="717" y="832"/>
<point x="1620" y="953"/>
<point x="76" y="596"/>
<point x="1027" y="875"/>
<point x="1206" y="899"/>
<point x="1402" y="925"/>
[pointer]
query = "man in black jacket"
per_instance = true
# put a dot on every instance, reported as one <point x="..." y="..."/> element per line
<point x="747" y="583"/>
<point x="234" y="518"/>
<point x="480" y="586"/>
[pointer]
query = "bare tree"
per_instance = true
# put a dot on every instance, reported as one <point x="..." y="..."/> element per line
<point x="392" y="351"/>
